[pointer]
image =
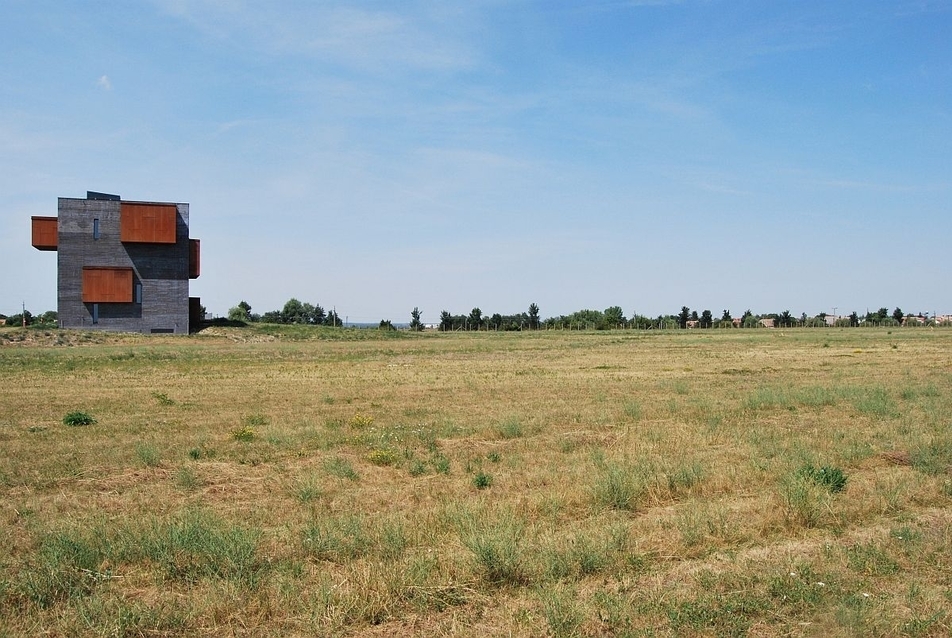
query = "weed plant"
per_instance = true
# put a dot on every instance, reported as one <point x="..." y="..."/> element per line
<point x="832" y="478"/>
<point x="341" y="468"/>
<point x="78" y="418"/>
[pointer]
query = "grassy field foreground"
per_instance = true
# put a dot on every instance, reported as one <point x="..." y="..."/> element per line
<point x="300" y="482"/>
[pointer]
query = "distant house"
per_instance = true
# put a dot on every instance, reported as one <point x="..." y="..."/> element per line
<point x="122" y="265"/>
<point x="738" y="322"/>
<point x="692" y="324"/>
<point x="3" y="320"/>
<point x="767" y="322"/>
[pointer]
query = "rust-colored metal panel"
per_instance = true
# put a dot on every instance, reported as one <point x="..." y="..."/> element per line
<point x="107" y="285"/>
<point x="194" y="258"/>
<point x="45" y="233"/>
<point x="147" y="223"/>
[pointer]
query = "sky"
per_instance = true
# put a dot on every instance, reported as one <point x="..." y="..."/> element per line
<point x="373" y="157"/>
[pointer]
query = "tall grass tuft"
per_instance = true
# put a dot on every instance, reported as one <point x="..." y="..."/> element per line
<point x="618" y="485"/>
<point x="560" y="608"/>
<point x="197" y="544"/>
<point x="496" y="545"/>
<point x="511" y="428"/>
<point x="338" y="538"/>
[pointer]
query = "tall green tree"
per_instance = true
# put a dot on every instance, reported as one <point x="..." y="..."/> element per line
<point x="898" y="315"/>
<point x="415" y="323"/>
<point x="707" y="319"/>
<point x="533" y="316"/>
<point x="316" y="314"/>
<point x="238" y="313"/>
<point x="614" y="317"/>
<point x="475" y="319"/>
<point x="294" y="312"/>
<point x="446" y="321"/>
<point x="683" y="316"/>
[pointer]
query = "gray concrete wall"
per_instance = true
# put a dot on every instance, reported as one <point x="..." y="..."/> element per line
<point x="162" y="270"/>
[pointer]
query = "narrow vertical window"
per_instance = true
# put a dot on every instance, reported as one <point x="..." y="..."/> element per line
<point x="138" y="292"/>
<point x="95" y="313"/>
<point x="96" y="228"/>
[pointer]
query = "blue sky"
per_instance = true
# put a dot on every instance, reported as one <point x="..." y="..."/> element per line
<point x="376" y="156"/>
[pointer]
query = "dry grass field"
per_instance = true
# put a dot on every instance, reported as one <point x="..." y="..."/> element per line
<point x="316" y="482"/>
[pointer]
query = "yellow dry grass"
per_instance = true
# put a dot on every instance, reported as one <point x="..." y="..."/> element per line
<point x="304" y="482"/>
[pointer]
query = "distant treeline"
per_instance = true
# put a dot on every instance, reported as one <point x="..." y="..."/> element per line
<point x="297" y="312"/>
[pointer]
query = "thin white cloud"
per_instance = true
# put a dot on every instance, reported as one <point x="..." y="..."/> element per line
<point x="370" y="40"/>
<point x="878" y="187"/>
<point x="104" y="83"/>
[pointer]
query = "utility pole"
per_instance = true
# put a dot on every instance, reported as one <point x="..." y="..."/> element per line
<point x="23" y="313"/>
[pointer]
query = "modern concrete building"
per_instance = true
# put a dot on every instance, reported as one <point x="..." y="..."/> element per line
<point x="122" y="265"/>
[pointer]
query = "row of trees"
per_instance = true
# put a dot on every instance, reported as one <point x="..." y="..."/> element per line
<point x="476" y="320"/>
<point x="882" y="317"/>
<point x="294" y="311"/>
<point x="27" y="318"/>
<point x="613" y="317"/>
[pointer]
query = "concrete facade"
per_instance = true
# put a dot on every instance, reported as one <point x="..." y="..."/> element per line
<point x="88" y="237"/>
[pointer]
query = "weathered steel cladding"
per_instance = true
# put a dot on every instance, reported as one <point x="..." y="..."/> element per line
<point x="107" y="285"/>
<point x="147" y="223"/>
<point x="161" y="270"/>
<point x="44" y="233"/>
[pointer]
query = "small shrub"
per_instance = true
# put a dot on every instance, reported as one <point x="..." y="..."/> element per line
<point x="195" y="453"/>
<point x="832" y="478"/>
<point x="382" y="457"/>
<point x="245" y="434"/>
<point x="359" y="420"/>
<point x="417" y="468"/>
<point x="493" y="457"/>
<point x="75" y="419"/>
<point x="482" y="480"/>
